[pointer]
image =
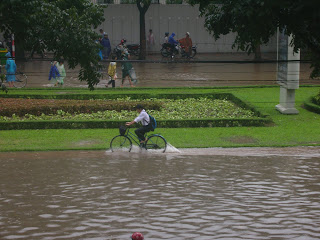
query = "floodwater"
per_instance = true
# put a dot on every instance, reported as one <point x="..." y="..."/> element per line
<point x="244" y="193"/>
<point x="177" y="74"/>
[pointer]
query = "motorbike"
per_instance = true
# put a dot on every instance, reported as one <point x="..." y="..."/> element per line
<point x="133" y="49"/>
<point x="168" y="50"/>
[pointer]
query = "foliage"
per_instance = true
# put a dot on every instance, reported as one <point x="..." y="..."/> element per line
<point x="85" y="110"/>
<point x="288" y="130"/>
<point x="64" y="27"/>
<point x="316" y="99"/>
<point x="255" y="21"/>
<point x="174" y="1"/>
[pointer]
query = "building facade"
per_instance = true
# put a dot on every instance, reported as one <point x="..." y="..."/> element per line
<point x="122" y="21"/>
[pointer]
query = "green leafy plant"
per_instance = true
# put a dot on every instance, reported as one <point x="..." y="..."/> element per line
<point x="121" y="109"/>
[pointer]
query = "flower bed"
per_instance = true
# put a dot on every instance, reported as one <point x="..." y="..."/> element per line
<point x="87" y="110"/>
<point x="170" y="113"/>
<point x="37" y="107"/>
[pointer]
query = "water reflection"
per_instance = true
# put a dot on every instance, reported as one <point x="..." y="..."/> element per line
<point x="97" y="195"/>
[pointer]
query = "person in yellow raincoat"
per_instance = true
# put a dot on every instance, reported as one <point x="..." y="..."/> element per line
<point x="112" y="72"/>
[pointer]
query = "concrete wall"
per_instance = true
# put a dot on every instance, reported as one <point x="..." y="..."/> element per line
<point x="122" y="21"/>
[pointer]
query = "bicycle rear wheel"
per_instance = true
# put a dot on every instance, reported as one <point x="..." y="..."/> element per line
<point x="121" y="144"/>
<point x="21" y="80"/>
<point x="156" y="143"/>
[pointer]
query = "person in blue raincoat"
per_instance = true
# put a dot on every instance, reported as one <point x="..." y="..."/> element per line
<point x="11" y="68"/>
<point x="54" y="73"/>
<point x="172" y="41"/>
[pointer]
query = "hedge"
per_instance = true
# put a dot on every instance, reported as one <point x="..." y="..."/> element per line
<point x="311" y="106"/>
<point x="47" y="105"/>
<point x="110" y="96"/>
<point x="36" y="107"/>
<point x="190" y="123"/>
<point x="316" y="100"/>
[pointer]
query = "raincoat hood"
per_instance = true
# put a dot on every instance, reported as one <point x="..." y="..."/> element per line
<point x="173" y="34"/>
<point x="8" y="55"/>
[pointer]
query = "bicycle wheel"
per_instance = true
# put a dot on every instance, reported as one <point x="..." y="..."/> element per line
<point x="21" y="80"/>
<point x="120" y="144"/>
<point x="156" y="143"/>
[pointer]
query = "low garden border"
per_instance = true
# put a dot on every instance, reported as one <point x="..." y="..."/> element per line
<point x="259" y="120"/>
<point x="312" y="106"/>
<point x="189" y="123"/>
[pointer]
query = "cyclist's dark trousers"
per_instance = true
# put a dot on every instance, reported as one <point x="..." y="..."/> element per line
<point x="141" y="131"/>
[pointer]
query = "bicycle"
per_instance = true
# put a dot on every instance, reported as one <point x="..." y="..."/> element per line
<point x="21" y="80"/>
<point x="123" y="142"/>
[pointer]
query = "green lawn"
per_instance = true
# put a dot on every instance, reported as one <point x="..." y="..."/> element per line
<point x="289" y="130"/>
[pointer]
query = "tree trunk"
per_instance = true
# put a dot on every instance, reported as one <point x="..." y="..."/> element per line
<point x="143" y="47"/>
<point x="143" y="6"/>
<point x="257" y="52"/>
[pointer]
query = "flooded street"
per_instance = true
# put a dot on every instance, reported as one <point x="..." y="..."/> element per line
<point x="177" y="74"/>
<point x="244" y="193"/>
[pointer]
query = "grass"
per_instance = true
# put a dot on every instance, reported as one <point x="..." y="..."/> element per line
<point x="289" y="130"/>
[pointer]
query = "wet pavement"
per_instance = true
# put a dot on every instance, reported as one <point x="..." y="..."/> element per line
<point x="178" y="74"/>
<point x="241" y="193"/>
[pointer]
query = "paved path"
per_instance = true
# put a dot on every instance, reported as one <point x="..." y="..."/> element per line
<point x="179" y="74"/>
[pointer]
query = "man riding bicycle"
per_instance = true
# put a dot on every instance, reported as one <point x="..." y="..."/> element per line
<point x="145" y="121"/>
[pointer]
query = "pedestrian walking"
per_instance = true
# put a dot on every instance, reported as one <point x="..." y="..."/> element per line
<point x="128" y="70"/>
<point x="54" y="73"/>
<point x="11" y="69"/>
<point x="150" y="41"/>
<point x="102" y="33"/>
<point x="62" y="71"/>
<point x="105" y="42"/>
<point x="112" y="72"/>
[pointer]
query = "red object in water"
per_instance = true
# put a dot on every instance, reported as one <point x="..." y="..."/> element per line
<point x="137" y="236"/>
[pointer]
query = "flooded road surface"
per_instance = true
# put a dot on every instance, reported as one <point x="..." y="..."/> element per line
<point x="246" y="193"/>
<point x="173" y="74"/>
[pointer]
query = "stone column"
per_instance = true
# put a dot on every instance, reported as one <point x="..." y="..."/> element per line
<point x="287" y="75"/>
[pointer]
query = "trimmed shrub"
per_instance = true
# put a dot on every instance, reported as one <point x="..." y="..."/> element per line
<point x="316" y="99"/>
<point x="312" y="107"/>
<point x="191" y="123"/>
<point x="21" y="107"/>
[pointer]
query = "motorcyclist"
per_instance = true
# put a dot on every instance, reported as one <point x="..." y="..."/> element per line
<point x="123" y="42"/>
<point x="187" y="44"/>
<point x="121" y="47"/>
<point x="172" y="41"/>
<point x="166" y="37"/>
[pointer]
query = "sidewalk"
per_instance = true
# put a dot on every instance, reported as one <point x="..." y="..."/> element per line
<point x="174" y="74"/>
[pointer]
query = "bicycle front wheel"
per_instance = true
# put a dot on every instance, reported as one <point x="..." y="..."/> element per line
<point x="121" y="144"/>
<point x="21" y="80"/>
<point x="157" y="144"/>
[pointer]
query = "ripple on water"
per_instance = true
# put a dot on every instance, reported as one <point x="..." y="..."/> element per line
<point x="170" y="196"/>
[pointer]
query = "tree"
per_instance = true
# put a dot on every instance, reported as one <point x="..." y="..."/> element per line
<point x="143" y="6"/>
<point x="64" y="27"/>
<point x="256" y="21"/>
